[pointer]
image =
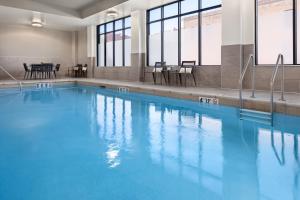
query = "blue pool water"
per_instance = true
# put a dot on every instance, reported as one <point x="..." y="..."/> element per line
<point x="89" y="143"/>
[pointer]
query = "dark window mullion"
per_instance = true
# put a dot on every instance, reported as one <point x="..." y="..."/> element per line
<point x="98" y="41"/>
<point x="123" y="42"/>
<point x="105" y="45"/>
<point x="162" y="36"/>
<point x="295" y="10"/>
<point x="256" y="32"/>
<point x="148" y="34"/>
<point x="199" y="34"/>
<point x="114" y="62"/>
<point x="179" y="33"/>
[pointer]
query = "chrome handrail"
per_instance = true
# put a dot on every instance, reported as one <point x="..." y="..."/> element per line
<point x="279" y="62"/>
<point x="251" y="58"/>
<point x="11" y="76"/>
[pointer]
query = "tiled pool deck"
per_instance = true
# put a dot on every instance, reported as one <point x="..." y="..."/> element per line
<point x="225" y="96"/>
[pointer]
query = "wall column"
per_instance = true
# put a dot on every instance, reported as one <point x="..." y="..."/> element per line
<point x="138" y="42"/>
<point x="237" y="39"/>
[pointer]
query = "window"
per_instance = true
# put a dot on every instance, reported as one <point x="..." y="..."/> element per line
<point x="275" y="31"/>
<point x="127" y="47"/>
<point x="114" y="43"/>
<point x="118" y="48"/>
<point x="185" y="30"/>
<point x="171" y="41"/>
<point x="154" y="46"/>
<point x="189" y="6"/>
<point x="101" y="45"/>
<point x="109" y="49"/>
<point x="189" y="37"/>
<point x="211" y="36"/>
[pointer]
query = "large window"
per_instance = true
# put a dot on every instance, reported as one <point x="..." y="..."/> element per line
<point x="114" y="43"/>
<point x="185" y="30"/>
<point x="275" y="31"/>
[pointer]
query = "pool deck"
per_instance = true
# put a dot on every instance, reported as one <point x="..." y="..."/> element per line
<point x="226" y="96"/>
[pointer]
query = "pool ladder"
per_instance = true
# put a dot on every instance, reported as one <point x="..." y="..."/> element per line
<point x="12" y="77"/>
<point x="254" y="115"/>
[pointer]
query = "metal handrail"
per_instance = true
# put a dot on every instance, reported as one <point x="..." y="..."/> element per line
<point x="251" y="58"/>
<point x="11" y="76"/>
<point x="279" y="62"/>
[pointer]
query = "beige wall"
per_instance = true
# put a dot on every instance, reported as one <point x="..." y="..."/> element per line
<point x="82" y="47"/>
<point x="19" y="44"/>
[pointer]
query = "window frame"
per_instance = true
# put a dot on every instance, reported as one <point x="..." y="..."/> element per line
<point x="179" y="16"/>
<point x="295" y="38"/>
<point x="123" y="29"/>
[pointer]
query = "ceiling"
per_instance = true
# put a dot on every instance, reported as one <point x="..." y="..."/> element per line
<point x="69" y="15"/>
<point x="69" y="4"/>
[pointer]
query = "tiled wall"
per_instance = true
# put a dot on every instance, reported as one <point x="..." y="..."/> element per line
<point x="263" y="75"/>
<point x="129" y="73"/>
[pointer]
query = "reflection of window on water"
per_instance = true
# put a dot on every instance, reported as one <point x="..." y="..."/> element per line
<point x="42" y="96"/>
<point x="176" y="144"/>
<point x="275" y="155"/>
<point x="114" y="120"/>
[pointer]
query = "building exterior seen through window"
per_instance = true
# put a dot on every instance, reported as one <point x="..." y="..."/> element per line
<point x="185" y="30"/>
<point x="114" y="43"/>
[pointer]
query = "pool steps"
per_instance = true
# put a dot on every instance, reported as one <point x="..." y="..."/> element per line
<point x="256" y="116"/>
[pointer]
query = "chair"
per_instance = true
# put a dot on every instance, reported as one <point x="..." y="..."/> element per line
<point x="187" y="68"/>
<point x="84" y="70"/>
<point x="158" y="69"/>
<point x="27" y="71"/>
<point x="77" y="70"/>
<point x="56" y="69"/>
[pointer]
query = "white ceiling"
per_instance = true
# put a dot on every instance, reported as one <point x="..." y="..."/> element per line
<point x="14" y="16"/>
<point x="69" y="4"/>
<point x="62" y="14"/>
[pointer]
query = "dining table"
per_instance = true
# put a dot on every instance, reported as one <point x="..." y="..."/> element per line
<point x="41" y="70"/>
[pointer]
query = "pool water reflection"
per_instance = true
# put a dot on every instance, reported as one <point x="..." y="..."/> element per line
<point x="90" y="143"/>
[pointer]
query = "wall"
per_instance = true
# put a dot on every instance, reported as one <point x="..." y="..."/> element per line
<point x="82" y="47"/>
<point x="20" y="44"/>
<point x="24" y="44"/>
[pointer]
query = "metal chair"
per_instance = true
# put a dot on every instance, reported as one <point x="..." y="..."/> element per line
<point x="27" y="71"/>
<point x="84" y="70"/>
<point x="158" y="69"/>
<point x="187" y="69"/>
<point x="56" y="69"/>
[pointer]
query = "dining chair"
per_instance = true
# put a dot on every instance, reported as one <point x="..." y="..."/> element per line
<point x="187" y="68"/>
<point x="76" y="70"/>
<point x="56" y="69"/>
<point x="27" y="71"/>
<point x="158" y="70"/>
<point x="84" y="70"/>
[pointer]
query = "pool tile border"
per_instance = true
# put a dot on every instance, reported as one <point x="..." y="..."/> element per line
<point x="280" y="107"/>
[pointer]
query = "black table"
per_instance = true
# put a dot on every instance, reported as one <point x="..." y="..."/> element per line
<point x="41" y="71"/>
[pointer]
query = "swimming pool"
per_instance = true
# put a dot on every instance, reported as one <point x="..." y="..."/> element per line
<point x="77" y="142"/>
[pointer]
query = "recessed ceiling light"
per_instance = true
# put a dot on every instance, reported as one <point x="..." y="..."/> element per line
<point x="37" y="20"/>
<point x="37" y="24"/>
<point x="112" y="13"/>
